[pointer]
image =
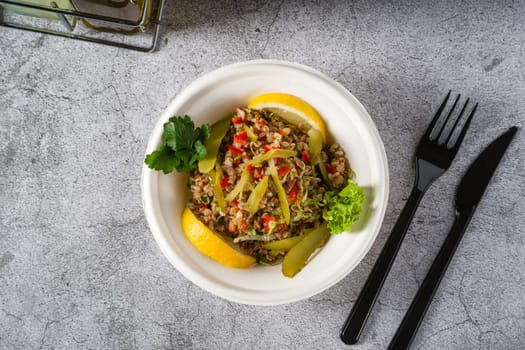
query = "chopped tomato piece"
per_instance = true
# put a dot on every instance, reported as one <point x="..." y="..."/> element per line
<point x="330" y="168"/>
<point x="283" y="171"/>
<point x="235" y="150"/>
<point x="257" y="172"/>
<point x="241" y="138"/>
<point x="224" y="181"/>
<point x="238" y="120"/>
<point x="305" y="155"/>
<point x="293" y="193"/>
<point x="269" y="222"/>
<point x="267" y="148"/>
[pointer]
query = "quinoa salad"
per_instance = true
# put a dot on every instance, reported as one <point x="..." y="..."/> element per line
<point x="265" y="185"/>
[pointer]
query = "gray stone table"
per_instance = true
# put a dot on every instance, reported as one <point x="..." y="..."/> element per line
<point x="79" y="268"/>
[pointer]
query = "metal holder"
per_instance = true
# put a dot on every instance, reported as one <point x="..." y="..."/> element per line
<point x="68" y="18"/>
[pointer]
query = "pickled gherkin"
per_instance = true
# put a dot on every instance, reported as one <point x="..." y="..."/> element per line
<point x="218" y="131"/>
<point x="257" y="195"/>
<point x="297" y="257"/>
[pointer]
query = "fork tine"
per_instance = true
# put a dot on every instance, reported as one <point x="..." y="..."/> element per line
<point x="464" y="130"/>
<point x="448" y="117"/>
<point x="456" y="122"/>
<point x="436" y="117"/>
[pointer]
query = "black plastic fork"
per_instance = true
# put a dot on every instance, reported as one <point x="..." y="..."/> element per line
<point x="433" y="158"/>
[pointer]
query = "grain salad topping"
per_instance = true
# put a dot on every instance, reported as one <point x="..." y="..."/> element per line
<point x="265" y="185"/>
<point x="270" y="188"/>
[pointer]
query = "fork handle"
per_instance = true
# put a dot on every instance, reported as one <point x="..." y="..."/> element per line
<point x="355" y="322"/>
<point x="417" y="310"/>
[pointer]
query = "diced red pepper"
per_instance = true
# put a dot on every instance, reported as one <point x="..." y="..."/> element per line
<point x="330" y="168"/>
<point x="235" y="203"/>
<point x="203" y="206"/>
<point x="243" y="225"/>
<point x="250" y="167"/>
<point x="293" y="193"/>
<point x="267" y="148"/>
<point x="238" y="120"/>
<point x="268" y="222"/>
<point x="241" y="138"/>
<point x="283" y="171"/>
<point x="224" y="181"/>
<point x="235" y="150"/>
<point x="305" y="155"/>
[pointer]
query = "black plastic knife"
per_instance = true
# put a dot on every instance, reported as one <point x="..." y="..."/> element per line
<point x="468" y="195"/>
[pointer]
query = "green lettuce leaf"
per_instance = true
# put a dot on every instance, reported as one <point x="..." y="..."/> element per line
<point x="344" y="208"/>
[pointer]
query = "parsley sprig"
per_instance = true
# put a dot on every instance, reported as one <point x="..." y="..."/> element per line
<point x="182" y="146"/>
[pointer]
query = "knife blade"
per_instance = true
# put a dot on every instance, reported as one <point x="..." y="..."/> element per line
<point x="478" y="175"/>
<point x="468" y="194"/>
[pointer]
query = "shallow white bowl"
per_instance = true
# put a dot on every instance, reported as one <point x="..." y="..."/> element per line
<point x="210" y="98"/>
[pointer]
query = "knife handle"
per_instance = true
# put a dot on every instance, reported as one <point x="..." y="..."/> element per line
<point x="356" y="320"/>
<point x="417" y="310"/>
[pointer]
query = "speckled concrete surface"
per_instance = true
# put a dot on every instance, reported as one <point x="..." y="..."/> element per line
<point x="79" y="268"/>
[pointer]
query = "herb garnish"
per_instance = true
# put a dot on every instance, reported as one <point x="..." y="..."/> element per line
<point x="182" y="146"/>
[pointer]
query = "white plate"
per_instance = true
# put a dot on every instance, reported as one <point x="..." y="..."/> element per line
<point x="210" y="98"/>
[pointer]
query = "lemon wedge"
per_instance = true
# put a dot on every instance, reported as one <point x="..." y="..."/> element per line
<point x="291" y="108"/>
<point x="211" y="244"/>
